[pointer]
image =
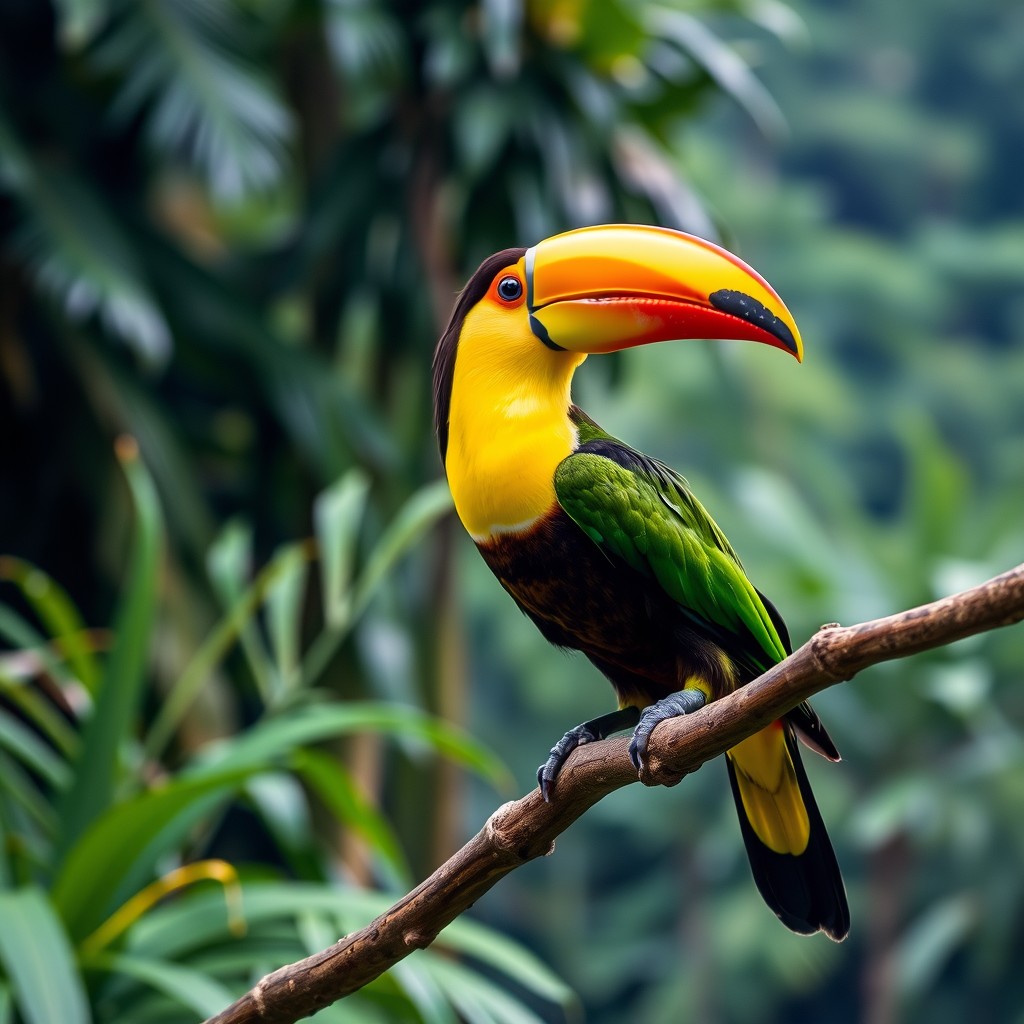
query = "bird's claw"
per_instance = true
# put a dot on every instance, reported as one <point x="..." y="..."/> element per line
<point x="585" y="732"/>
<point x="684" y="702"/>
<point x="548" y="771"/>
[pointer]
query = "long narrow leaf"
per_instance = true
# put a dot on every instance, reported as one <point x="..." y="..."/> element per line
<point x="38" y="960"/>
<point x="284" y="613"/>
<point x="22" y="790"/>
<point x="337" y="514"/>
<point x="213" y="649"/>
<point x="116" y="856"/>
<point x="478" y="999"/>
<point x="194" y="989"/>
<point x="229" y="564"/>
<point x="27" y="639"/>
<point x="28" y="748"/>
<point x="338" y="791"/>
<point x="280" y="737"/>
<point x="41" y="713"/>
<point x="414" y="519"/>
<point x="58" y="613"/>
<point x="722" y="63"/>
<point x="516" y="962"/>
<point x="117" y="703"/>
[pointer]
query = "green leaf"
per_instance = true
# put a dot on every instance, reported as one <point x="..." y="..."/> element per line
<point x="414" y="519"/>
<point x="116" y="855"/>
<point x="117" y="703"/>
<point x="213" y="649"/>
<point x="194" y="989"/>
<point x="337" y="514"/>
<point x="477" y="998"/>
<point x="23" y="791"/>
<point x="722" y="63"/>
<point x="28" y="748"/>
<point x="931" y="940"/>
<point x="284" y="612"/>
<point x="38" y="960"/>
<point x="198" y="922"/>
<point x="509" y="958"/>
<point x="229" y="563"/>
<point x="58" y="613"/>
<point x="416" y="980"/>
<point x="37" y="709"/>
<point x="20" y="634"/>
<point x="281" y="736"/>
<point x="338" y="791"/>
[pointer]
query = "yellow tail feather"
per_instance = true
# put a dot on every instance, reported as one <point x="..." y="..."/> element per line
<point x="770" y="791"/>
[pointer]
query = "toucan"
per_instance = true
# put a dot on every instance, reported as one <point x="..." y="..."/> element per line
<point x="606" y="549"/>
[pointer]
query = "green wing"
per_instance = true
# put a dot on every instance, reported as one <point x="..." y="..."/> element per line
<point x="642" y="513"/>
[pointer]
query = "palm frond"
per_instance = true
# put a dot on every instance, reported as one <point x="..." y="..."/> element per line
<point x="185" y="63"/>
<point x="75" y="251"/>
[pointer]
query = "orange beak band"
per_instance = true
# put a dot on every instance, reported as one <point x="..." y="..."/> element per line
<point x="617" y="286"/>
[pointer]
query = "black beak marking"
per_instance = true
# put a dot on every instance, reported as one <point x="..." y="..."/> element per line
<point x="535" y="325"/>
<point x="746" y="308"/>
<point x="542" y="332"/>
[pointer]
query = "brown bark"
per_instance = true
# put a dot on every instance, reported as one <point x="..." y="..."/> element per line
<point x="526" y="828"/>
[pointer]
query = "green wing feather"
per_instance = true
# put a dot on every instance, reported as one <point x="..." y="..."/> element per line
<point x="642" y="513"/>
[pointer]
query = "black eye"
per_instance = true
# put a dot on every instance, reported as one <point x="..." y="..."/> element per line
<point x="510" y="289"/>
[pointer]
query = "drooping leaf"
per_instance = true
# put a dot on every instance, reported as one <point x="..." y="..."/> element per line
<point x="117" y="853"/>
<point x="276" y="738"/>
<point x="478" y="998"/>
<point x="38" y="960"/>
<point x="509" y="958"/>
<point x="191" y="988"/>
<point x="31" y="751"/>
<point x="722" y="63"/>
<point x="338" y="791"/>
<point x="58" y="613"/>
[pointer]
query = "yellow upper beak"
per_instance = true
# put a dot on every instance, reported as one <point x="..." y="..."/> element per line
<point x="616" y="286"/>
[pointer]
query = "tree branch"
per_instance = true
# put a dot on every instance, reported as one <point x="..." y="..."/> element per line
<point x="526" y="828"/>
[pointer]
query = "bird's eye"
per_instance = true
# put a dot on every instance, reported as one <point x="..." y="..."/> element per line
<point x="510" y="289"/>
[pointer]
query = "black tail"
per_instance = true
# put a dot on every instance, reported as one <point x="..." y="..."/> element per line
<point x="805" y="891"/>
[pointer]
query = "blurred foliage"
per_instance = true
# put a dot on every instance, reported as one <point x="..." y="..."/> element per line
<point x="231" y="229"/>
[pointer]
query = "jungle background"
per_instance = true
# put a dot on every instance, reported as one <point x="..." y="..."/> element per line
<point x="254" y="680"/>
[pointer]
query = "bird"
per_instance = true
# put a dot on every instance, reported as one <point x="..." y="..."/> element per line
<point x="607" y="550"/>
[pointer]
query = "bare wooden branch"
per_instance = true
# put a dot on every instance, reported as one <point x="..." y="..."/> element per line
<point x="526" y="828"/>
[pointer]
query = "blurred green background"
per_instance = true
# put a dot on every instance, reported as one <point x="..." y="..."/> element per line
<point x="253" y="679"/>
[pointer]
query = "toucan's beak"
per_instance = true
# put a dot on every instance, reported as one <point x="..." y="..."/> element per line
<point x="615" y="286"/>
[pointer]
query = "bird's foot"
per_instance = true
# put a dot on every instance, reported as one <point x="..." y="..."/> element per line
<point x="585" y="732"/>
<point x="682" y="703"/>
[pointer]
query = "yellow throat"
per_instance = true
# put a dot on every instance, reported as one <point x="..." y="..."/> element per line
<point x="509" y="423"/>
